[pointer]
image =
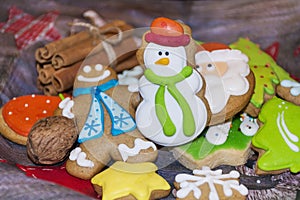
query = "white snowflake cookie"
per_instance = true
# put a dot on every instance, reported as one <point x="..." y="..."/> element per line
<point x="209" y="184"/>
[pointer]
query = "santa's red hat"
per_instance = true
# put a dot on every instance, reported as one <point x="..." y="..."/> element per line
<point x="167" y="32"/>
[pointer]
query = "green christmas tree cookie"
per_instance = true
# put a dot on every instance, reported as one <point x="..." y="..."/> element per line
<point x="278" y="137"/>
<point x="267" y="72"/>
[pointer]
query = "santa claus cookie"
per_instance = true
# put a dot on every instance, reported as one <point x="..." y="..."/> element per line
<point x="268" y="74"/>
<point x="104" y="115"/>
<point x="277" y="141"/>
<point x="173" y="111"/>
<point x="21" y="113"/>
<point x="229" y="81"/>
<point x="223" y="144"/>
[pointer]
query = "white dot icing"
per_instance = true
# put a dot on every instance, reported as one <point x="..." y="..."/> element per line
<point x="87" y="69"/>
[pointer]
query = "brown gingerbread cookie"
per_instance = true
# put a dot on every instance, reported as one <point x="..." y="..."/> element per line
<point x="21" y="113"/>
<point x="268" y="74"/>
<point x="130" y="181"/>
<point x="174" y="110"/>
<point x="229" y="80"/>
<point x="289" y="90"/>
<point x="209" y="184"/>
<point x="104" y="115"/>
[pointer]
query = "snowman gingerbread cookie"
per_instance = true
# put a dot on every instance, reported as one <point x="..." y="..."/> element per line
<point x="173" y="111"/>
<point x="104" y="114"/>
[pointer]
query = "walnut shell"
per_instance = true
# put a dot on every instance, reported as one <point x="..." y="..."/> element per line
<point x="50" y="140"/>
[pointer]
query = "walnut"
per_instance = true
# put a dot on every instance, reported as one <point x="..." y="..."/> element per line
<point x="50" y="140"/>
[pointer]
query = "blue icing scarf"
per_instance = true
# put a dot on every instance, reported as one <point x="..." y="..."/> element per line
<point x="94" y="125"/>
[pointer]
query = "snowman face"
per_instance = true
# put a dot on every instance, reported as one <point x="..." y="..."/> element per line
<point x="165" y="60"/>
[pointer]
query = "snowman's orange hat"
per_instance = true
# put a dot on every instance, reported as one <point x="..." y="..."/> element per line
<point x="167" y="32"/>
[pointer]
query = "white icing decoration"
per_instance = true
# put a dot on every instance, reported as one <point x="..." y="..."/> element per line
<point x="131" y="78"/>
<point x="74" y="153"/>
<point x="218" y="134"/>
<point x="146" y="119"/>
<point x="139" y="145"/>
<point x="288" y="136"/>
<point x="105" y="74"/>
<point x="80" y="158"/>
<point x="295" y="86"/>
<point x="190" y="183"/>
<point x="66" y="105"/>
<point x="83" y="162"/>
<point x="98" y="67"/>
<point x="87" y="69"/>
<point x="249" y="126"/>
<point x="224" y="79"/>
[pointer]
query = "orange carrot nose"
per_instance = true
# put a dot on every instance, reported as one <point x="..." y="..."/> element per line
<point x="162" y="61"/>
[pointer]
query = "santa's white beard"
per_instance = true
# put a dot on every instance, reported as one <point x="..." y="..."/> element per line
<point x="215" y="93"/>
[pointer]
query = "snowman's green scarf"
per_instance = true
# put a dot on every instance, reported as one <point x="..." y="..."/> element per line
<point x="169" y="82"/>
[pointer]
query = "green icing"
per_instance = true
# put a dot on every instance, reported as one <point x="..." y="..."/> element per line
<point x="200" y="147"/>
<point x="169" y="82"/>
<point x="280" y="120"/>
<point x="265" y="78"/>
<point x="266" y="71"/>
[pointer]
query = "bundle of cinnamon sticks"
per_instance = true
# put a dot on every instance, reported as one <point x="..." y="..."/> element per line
<point x="58" y="62"/>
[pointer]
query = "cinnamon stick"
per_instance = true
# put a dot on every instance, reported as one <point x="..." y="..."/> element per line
<point x="49" y="90"/>
<point x="45" y="73"/>
<point x="126" y="64"/>
<point x="80" y="51"/>
<point x="63" y="79"/>
<point x="45" y="53"/>
<point x="125" y="49"/>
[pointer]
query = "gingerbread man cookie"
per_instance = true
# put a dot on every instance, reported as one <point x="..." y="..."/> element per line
<point x="171" y="113"/>
<point x="104" y="114"/>
<point x="277" y="141"/>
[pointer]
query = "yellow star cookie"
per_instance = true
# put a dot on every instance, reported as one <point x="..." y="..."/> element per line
<point x="131" y="179"/>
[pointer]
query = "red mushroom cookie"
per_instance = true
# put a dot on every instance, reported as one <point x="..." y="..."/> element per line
<point x="20" y="114"/>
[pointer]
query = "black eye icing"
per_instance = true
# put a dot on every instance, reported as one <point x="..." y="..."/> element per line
<point x="209" y="65"/>
<point x="197" y="66"/>
<point x="167" y="53"/>
<point x="160" y="53"/>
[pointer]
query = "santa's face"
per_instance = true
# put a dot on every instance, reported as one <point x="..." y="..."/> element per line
<point x="165" y="60"/>
<point x="212" y="68"/>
